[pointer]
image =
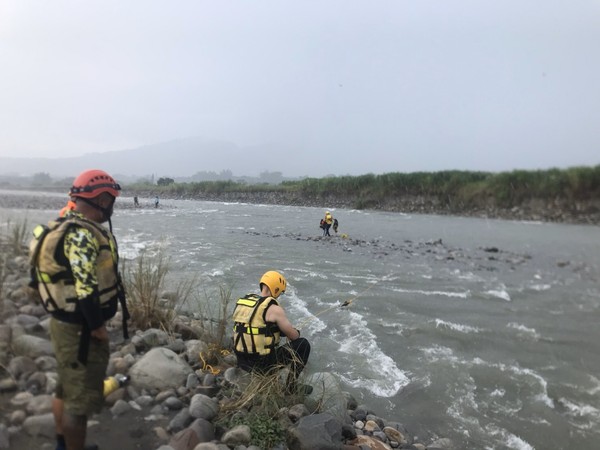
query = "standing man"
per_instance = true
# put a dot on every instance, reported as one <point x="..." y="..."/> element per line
<point x="328" y="222"/>
<point x="259" y="322"/>
<point x="75" y="269"/>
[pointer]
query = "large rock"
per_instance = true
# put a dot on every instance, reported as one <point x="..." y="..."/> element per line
<point x="326" y="396"/>
<point x="193" y="349"/>
<point x="370" y="442"/>
<point x="32" y="346"/>
<point x="322" y="431"/>
<point x="237" y="436"/>
<point x="160" y="369"/>
<point x="39" y="405"/>
<point x="40" y="425"/>
<point x="154" y="338"/>
<point x="21" y="365"/>
<point x="204" y="407"/>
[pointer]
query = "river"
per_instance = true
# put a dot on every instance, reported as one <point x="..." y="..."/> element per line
<point x="482" y="331"/>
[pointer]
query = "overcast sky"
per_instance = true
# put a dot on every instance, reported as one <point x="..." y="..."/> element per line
<point x="357" y="86"/>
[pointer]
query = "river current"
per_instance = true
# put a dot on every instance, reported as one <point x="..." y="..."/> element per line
<point x="482" y="331"/>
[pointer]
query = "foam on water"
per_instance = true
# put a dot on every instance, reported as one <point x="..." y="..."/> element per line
<point x="440" y="353"/>
<point x="523" y="330"/>
<point x="439" y="323"/>
<point x="541" y="397"/>
<point x="499" y="294"/>
<point x="298" y="313"/>
<point x="540" y="287"/>
<point x="590" y="415"/>
<point x="304" y="274"/>
<point x="368" y="367"/>
<point x="467" y="276"/>
<point x="498" y="393"/>
<point x="595" y="389"/>
<point x="511" y="441"/>
<point x="435" y="293"/>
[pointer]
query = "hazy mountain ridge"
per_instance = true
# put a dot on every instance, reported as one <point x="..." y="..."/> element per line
<point x="175" y="159"/>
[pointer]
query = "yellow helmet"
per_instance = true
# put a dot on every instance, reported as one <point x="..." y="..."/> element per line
<point x="274" y="281"/>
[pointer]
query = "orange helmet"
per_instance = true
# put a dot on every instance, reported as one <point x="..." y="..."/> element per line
<point x="91" y="183"/>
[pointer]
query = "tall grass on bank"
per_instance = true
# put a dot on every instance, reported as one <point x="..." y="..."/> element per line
<point x="453" y="189"/>
<point x="3" y="272"/>
<point x="215" y="316"/>
<point x="145" y="282"/>
<point x="16" y="236"/>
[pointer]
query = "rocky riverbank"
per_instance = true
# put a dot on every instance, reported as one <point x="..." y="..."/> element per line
<point x="175" y="400"/>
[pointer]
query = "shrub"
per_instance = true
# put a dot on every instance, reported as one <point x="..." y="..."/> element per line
<point x="265" y="432"/>
<point x="259" y="404"/>
<point x="16" y="237"/>
<point x="144" y="284"/>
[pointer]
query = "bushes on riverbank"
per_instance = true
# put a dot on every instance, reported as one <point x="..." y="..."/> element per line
<point x="565" y="195"/>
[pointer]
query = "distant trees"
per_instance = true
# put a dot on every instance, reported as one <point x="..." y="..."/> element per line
<point x="165" y="181"/>
<point x="41" y="179"/>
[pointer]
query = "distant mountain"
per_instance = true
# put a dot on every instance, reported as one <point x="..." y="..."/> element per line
<point x="178" y="158"/>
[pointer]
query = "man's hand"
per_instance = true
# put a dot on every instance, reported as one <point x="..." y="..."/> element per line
<point x="100" y="333"/>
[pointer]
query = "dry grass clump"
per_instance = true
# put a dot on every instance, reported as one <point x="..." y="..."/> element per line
<point x="144" y="283"/>
<point x="16" y="237"/>
<point x="213" y="317"/>
<point x="3" y="271"/>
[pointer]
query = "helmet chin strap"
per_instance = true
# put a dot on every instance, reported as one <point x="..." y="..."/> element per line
<point x="105" y="211"/>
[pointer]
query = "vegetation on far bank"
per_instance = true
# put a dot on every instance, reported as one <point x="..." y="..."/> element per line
<point x="460" y="188"/>
<point x="565" y="195"/>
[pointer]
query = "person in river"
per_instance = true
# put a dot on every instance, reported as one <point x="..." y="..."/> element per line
<point x="328" y="221"/>
<point x="336" y="224"/>
<point x="259" y="322"/>
<point x="74" y="266"/>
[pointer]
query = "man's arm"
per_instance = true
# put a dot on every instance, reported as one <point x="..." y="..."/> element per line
<point x="82" y="252"/>
<point x="277" y="315"/>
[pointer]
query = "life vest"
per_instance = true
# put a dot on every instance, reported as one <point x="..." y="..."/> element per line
<point x="328" y="219"/>
<point x="51" y="272"/>
<point x="251" y="333"/>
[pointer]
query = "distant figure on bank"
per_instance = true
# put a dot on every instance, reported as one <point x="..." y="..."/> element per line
<point x="156" y="201"/>
<point x="328" y="221"/>
<point x="259" y="322"/>
<point x="136" y="202"/>
<point x="336" y="224"/>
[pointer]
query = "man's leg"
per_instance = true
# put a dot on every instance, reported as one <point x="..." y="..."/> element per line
<point x="58" y="407"/>
<point x="295" y="354"/>
<point x="74" y="428"/>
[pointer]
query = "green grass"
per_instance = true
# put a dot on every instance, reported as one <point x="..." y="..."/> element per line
<point x="450" y="188"/>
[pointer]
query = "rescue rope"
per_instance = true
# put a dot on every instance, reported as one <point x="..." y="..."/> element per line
<point x="207" y="367"/>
